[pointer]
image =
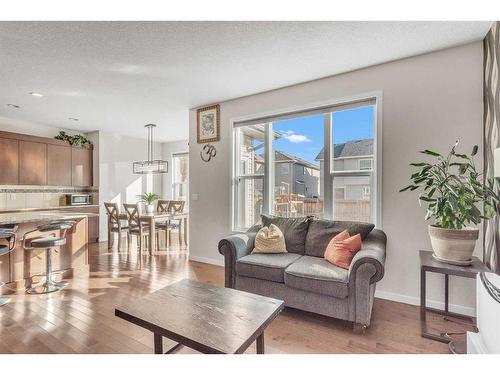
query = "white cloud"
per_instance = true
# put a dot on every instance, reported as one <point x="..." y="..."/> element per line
<point x="295" y="138"/>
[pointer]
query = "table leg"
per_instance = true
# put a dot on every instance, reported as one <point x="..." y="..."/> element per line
<point x="185" y="231"/>
<point x="152" y="235"/>
<point x="158" y="344"/>
<point x="446" y="291"/>
<point x="260" y="344"/>
<point x="422" y="295"/>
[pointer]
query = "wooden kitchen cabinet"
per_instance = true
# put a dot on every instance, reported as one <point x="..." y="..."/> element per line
<point x="32" y="163"/>
<point x="58" y="165"/>
<point x="9" y="161"/>
<point x="82" y="169"/>
<point x="31" y="160"/>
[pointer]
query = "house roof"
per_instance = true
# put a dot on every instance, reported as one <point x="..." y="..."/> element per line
<point x="360" y="147"/>
<point x="283" y="156"/>
<point x="280" y="156"/>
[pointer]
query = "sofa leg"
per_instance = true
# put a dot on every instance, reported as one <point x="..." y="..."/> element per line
<point x="359" y="328"/>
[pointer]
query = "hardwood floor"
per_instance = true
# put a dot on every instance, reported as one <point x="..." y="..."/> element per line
<point x="80" y="318"/>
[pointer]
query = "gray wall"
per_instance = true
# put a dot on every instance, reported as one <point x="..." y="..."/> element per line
<point x="428" y="102"/>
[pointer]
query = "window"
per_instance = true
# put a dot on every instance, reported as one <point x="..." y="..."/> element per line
<point x="352" y="135"/>
<point x="365" y="164"/>
<point x="180" y="177"/>
<point x="250" y="175"/>
<point x="318" y="162"/>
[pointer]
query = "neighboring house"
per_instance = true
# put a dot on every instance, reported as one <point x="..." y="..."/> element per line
<point x="353" y="156"/>
<point x="293" y="175"/>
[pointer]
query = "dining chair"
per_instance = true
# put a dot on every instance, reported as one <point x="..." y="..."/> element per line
<point x="162" y="206"/>
<point x="115" y="225"/>
<point x="136" y="227"/>
<point x="175" y="207"/>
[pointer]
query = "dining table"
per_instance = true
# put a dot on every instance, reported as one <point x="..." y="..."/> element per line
<point x="152" y="218"/>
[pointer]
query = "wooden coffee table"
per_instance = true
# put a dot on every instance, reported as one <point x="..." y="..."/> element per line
<point x="204" y="317"/>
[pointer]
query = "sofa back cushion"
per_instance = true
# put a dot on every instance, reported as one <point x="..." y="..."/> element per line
<point x="321" y="232"/>
<point x="294" y="230"/>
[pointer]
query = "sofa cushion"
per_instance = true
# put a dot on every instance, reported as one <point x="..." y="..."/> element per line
<point x="265" y="266"/>
<point x="317" y="275"/>
<point x="321" y="232"/>
<point x="294" y="230"/>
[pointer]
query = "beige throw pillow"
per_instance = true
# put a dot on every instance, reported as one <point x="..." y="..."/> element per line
<point x="269" y="240"/>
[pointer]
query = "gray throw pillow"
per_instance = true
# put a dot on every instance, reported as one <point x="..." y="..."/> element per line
<point x="294" y="230"/>
<point x="321" y="232"/>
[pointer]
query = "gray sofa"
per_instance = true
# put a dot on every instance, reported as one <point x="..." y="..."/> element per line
<point x="302" y="277"/>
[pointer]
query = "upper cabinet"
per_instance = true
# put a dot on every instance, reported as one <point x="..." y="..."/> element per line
<point x="58" y="165"/>
<point x="32" y="163"/>
<point x="81" y="160"/>
<point x="29" y="160"/>
<point x="9" y="161"/>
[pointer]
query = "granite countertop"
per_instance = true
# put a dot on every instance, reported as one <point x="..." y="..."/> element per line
<point x="37" y="216"/>
<point x="12" y="210"/>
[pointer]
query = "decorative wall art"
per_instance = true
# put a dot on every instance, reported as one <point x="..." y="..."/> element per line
<point x="208" y="152"/>
<point x="208" y="124"/>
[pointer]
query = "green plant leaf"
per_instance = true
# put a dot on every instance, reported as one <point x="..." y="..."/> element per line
<point x="430" y="152"/>
<point x="474" y="150"/>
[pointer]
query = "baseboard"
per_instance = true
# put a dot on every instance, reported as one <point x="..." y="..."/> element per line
<point x="215" y="262"/>
<point x="466" y="310"/>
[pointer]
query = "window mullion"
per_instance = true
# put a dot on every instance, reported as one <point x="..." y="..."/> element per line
<point x="327" y="192"/>
<point x="268" y="170"/>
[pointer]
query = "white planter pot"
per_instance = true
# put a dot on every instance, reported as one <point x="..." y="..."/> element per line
<point x="454" y="246"/>
<point x="150" y="208"/>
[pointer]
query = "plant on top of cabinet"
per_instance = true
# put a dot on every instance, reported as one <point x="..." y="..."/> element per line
<point x="73" y="140"/>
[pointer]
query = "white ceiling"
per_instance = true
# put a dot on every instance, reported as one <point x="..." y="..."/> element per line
<point x="118" y="76"/>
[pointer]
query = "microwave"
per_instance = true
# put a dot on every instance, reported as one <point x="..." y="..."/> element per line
<point x="78" y="199"/>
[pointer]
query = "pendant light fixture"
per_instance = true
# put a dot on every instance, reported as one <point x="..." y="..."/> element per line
<point x="150" y="166"/>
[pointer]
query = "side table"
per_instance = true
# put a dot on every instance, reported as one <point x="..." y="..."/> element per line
<point x="429" y="264"/>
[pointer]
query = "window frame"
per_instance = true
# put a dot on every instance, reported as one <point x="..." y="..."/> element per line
<point x="328" y="192"/>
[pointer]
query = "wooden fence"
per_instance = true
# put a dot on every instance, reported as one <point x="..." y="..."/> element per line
<point x="355" y="210"/>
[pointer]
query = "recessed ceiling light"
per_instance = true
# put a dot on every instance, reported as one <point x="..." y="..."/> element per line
<point x="13" y="105"/>
<point x="72" y="119"/>
<point x="36" y="94"/>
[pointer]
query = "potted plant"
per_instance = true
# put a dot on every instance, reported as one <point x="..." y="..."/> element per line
<point x="451" y="188"/>
<point x="149" y="199"/>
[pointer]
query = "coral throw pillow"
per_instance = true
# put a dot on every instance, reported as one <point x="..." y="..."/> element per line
<point x="269" y="240"/>
<point x="342" y="249"/>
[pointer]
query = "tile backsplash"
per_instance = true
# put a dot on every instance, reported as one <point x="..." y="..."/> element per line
<point x="18" y="197"/>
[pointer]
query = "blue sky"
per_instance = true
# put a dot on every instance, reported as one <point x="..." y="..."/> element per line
<point x="303" y="136"/>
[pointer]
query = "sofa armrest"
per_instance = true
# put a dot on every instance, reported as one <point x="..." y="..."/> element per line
<point x="372" y="252"/>
<point x="234" y="247"/>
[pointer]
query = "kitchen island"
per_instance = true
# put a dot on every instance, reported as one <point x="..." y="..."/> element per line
<point x="20" y="268"/>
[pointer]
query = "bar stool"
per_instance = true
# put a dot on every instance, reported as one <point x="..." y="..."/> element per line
<point x="48" y="243"/>
<point x="7" y="232"/>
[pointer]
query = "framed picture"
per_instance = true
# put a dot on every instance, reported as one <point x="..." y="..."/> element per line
<point x="208" y="122"/>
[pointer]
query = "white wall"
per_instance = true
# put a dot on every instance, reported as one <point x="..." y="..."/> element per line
<point x="428" y="102"/>
<point x="117" y="183"/>
<point x="168" y="149"/>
